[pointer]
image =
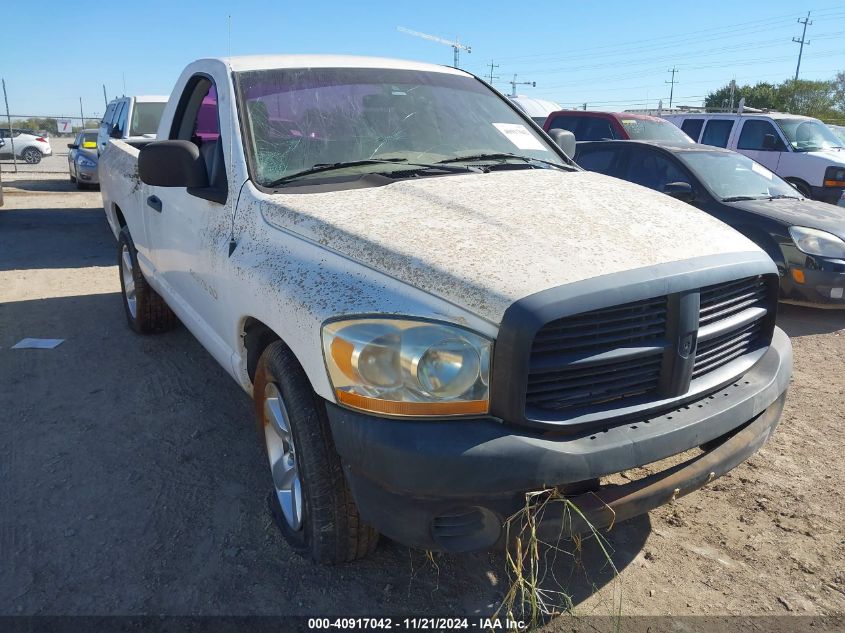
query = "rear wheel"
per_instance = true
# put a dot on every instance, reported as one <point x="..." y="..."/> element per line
<point x="146" y="311"/>
<point x="31" y="156"/>
<point x="310" y="501"/>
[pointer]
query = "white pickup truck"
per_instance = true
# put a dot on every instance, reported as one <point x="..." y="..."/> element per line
<point x="433" y="308"/>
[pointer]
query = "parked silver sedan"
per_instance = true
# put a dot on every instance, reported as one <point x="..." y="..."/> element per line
<point x="82" y="159"/>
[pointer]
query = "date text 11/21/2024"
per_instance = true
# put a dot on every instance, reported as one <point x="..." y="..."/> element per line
<point x="416" y="624"/>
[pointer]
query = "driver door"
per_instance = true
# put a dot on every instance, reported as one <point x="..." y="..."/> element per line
<point x="190" y="229"/>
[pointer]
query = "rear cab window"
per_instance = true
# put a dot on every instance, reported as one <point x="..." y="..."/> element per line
<point x="145" y="118"/>
<point x="585" y="128"/>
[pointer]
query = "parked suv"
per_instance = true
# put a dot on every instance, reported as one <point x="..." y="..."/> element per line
<point x="130" y="119"/>
<point x="801" y="150"/>
<point x="30" y="146"/>
<point x="601" y="126"/>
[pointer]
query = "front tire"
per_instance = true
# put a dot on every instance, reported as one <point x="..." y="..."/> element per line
<point x="146" y="311"/>
<point x="310" y="501"/>
<point x="31" y="155"/>
<point x="801" y="186"/>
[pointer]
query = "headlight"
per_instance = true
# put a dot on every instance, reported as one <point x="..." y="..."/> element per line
<point x="404" y="367"/>
<point x="84" y="162"/>
<point x="815" y="242"/>
<point x="834" y="177"/>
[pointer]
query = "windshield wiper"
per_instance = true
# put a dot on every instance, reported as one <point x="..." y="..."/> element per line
<point x="323" y="167"/>
<point x="783" y="196"/>
<point x="501" y="156"/>
<point x="741" y="198"/>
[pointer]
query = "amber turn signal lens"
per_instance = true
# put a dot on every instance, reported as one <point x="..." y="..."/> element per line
<point x="390" y="407"/>
<point x="798" y="276"/>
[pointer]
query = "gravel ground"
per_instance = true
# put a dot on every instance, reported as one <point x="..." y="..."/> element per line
<point x="132" y="480"/>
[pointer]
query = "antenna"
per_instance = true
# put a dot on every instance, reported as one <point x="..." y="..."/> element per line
<point x="457" y="47"/>
<point x="516" y="83"/>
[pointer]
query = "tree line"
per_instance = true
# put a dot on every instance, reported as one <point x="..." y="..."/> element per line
<point x="824" y="100"/>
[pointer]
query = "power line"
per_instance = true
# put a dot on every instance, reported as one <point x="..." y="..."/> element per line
<point x="806" y="22"/>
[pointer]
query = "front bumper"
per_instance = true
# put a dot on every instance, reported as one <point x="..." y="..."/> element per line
<point x="87" y="174"/>
<point x="824" y="283"/>
<point x="831" y="195"/>
<point x="449" y="485"/>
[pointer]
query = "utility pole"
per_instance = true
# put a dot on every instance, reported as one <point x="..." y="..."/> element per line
<point x="733" y="90"/>
<point x="105" y="98"/>
<point x="806" y="22"/>
<point x="9" y="119"/>
<point x="81" y="117"/>
<point x="673" y="70"/>
<point x="516" y="83"/>
<point x="492" y="66"/>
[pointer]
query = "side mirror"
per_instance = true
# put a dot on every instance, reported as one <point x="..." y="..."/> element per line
<point x="565" y="140"/>
<point x="680" y="190"/>
<point x="172" y="164"/>
<point x="115" y="132"/>
<point x="770" y="142"/>
<point x="72" y="146"/>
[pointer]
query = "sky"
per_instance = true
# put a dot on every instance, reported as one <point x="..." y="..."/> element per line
<point x="609" y="55"/>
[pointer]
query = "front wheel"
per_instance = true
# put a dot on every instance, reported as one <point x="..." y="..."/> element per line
<point x="310" y="501"/>
<point x="31" y="155"/>
<point x="802" y="187"/>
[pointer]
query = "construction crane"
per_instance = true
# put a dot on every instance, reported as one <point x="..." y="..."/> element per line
<point x="457" y="47"/>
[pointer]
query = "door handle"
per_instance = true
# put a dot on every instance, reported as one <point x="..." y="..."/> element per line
<point x="154" y="202"/>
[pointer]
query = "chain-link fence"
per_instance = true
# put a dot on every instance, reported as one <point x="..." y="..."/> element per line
<point x="39" y="143"/>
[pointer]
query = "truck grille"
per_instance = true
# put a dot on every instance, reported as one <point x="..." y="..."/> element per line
<point x="567" y="369"/>
<point x="725" y="301"/>
<point x="619" y="353"/>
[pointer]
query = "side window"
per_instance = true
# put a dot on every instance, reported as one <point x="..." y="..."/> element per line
<point x="601" y="160"/>
<point x="717" y="132"/>
<point x="121" y="118"/>
<point x="692" y="128"/>
<point x="754" y="133"/>
<point x="653" y="170"/>
<point x="108" y="115"/>
<point x="198" y="120"/>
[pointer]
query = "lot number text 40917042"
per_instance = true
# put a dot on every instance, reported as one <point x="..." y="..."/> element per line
<point x="416" y="624"/>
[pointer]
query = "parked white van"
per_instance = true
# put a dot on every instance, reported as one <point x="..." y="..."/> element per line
<point x="130" y="119"/>
<point x="801" y="150"/>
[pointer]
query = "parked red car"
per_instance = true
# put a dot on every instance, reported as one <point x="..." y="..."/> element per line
<point x="603" y="126"/>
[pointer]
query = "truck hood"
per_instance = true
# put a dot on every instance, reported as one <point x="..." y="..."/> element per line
<point x="483" y="241"/>
<point x="829" y="156"/>
<point x="809" y="213"/>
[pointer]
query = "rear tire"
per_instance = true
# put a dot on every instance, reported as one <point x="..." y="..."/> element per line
<point x="146" y="311"/>
<point x="31" y="155"/>
<point x="310" y="502"/>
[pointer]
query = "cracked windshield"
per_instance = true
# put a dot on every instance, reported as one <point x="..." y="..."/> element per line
<point x="394" y="121"/>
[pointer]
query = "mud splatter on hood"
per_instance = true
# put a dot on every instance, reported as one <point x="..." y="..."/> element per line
<point x="482" y="241"/>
